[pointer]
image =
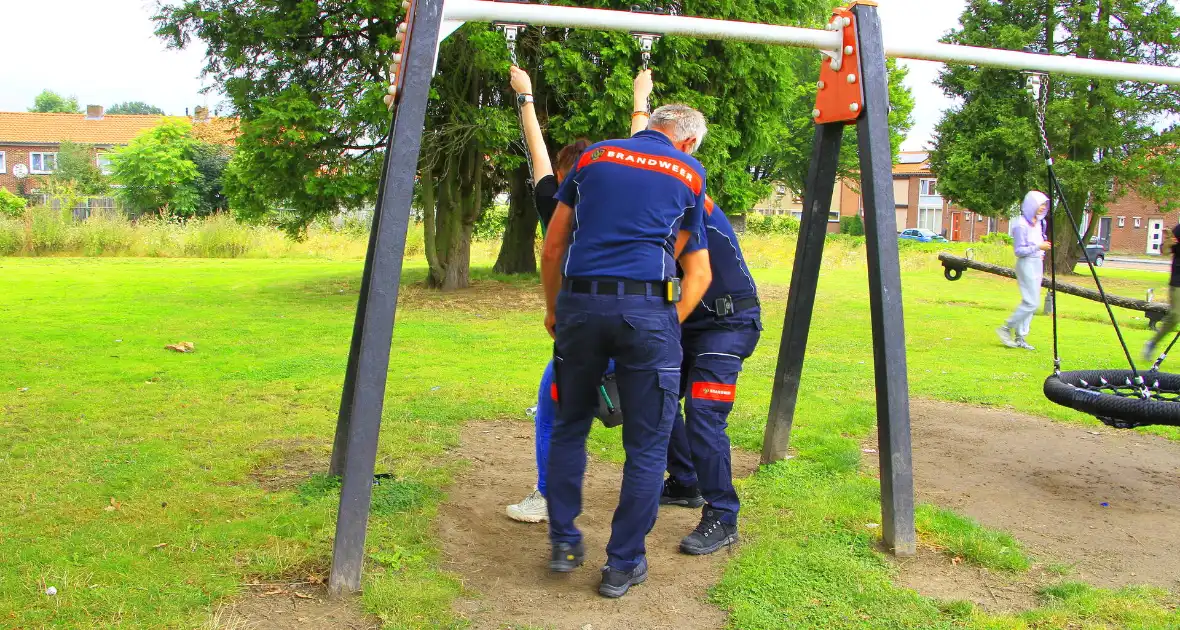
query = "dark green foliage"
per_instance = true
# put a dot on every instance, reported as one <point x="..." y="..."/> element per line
<point x="852" y="226"/>
<point x="996" y="238"/>
<point x="76" y="164"/>
<point x="988" y="148"/>
<point x="766" y="225"/>
<point x="167" y="170"/>
<point x="307" y="79"/>
<point x="135" y="107"/>
<point x="49" y="102"/>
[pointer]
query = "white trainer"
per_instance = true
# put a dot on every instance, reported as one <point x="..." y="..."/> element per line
<point x="533" y="509"/>
<point x="1005" y="335"/>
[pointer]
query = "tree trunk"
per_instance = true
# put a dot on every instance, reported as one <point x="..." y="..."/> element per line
<point x="459" y="192"/>
<point x="517" y="252"/>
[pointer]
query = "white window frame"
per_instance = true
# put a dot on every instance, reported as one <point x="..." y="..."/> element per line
<point x="3" y="163"/>
<point x="924" y="186"/>
<point x="928" y="211"/>
<point x="36" y="171"/>
<point x="1138" y="222"/>
<point x="1122" y="221"/>
<point x="106" y="169"/>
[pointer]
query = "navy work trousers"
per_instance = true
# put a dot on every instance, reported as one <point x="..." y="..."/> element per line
<point x="642" y="335"/>
<point x="698" y="451"/>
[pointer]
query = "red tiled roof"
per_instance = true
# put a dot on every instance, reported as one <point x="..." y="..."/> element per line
<point x="112" y="129"/>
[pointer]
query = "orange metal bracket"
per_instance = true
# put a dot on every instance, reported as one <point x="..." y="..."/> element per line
<point x="840" y="97"/>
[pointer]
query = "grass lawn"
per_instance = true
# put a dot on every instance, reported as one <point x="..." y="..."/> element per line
<point x="147" y="485"/>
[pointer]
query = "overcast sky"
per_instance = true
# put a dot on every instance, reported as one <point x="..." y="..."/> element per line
<point x="105" y="53"/>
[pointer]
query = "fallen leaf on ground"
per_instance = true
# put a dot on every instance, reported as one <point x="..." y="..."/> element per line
<point x="160" y="546"/>
<point x="303" y="596"/>
<point x="184" y="346"/>
<point x="114" y="505"/>
<point x="277" y="591"/>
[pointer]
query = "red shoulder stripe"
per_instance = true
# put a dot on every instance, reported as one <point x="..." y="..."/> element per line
<point x="654" y="163"/>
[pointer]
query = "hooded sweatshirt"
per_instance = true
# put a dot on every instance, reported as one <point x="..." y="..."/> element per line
<point x="1028" y="234"/>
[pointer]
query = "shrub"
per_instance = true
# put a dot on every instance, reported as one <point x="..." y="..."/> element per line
<point x="764" y="225"/>
<point x="996" y="238"/>
<point x="491" y="224"/>
<point x="50" y="232"/>
<point x="852" y="226"/>
<point x="12" y="205"/>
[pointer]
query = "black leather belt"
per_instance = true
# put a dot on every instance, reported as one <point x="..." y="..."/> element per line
<point x="726" y="305"/>
<point x="612" y="287"/>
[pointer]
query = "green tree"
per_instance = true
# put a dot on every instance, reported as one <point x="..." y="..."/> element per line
<point x="135" y="107"/>
<point x="76" y="163"/>
<point x="156" y="171"/>
<point x="987" y="150"/>
<point x="48" y="102"/>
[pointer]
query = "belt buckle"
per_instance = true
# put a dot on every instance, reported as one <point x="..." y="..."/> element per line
<point x="723" y="306"/>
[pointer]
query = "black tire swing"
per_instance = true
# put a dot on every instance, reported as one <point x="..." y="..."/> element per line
<point x="1123" y="399"/>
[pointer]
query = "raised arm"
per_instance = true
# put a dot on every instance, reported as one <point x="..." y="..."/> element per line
<point x="642" y="111"/>
<point x="522" y="85"/>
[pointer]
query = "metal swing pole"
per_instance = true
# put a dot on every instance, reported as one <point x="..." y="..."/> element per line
<point x="364" y="394"/>
<point x="854" y="86"/>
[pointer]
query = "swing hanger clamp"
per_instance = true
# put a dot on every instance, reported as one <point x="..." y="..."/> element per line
<point x="511" y="31"/>
<point x="647" y="41"/>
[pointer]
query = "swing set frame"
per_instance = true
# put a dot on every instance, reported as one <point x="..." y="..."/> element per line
<point x="853" y="90"/>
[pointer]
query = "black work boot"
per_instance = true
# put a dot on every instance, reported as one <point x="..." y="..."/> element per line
<point x="566" y="557"/>
<point x="616" y="583"/>
<point x="709" y="536"/>
<point x="676" y="493"/>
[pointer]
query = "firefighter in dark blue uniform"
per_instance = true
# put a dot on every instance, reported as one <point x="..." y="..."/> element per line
<point x="609" y="271"/>
<point x="716" y="338"/>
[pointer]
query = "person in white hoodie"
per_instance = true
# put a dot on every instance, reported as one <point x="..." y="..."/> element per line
<point x="1028" y="241"/>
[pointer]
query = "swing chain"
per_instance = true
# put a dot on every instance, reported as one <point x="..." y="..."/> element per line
<point x="1038" y="87"/>
<point x="511" y="32"/>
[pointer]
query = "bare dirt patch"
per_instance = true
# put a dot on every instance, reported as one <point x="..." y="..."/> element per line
<point x="286" y="606"/>
<point x="502" y="562"/>
<point x="1045" y="483"/>
<point x="287" y="463"/>
<point x="482" y="298"/>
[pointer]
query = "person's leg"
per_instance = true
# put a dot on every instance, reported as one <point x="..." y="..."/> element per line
<point x="1022" y="315"/>
<point x="543" y="423"/>
<point x="681" y="486"/>
<point x="534" y="508"/>
<point x="578" y="366"/>
<point x="712" y="387"/>
<point x="1170" y="321"/>
<point x="648" y="360"/>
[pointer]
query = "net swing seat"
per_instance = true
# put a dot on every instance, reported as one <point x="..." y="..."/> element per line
<point x="1123" y="399"/>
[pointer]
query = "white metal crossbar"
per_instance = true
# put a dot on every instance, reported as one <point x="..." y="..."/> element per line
<point x="602" y="19"/>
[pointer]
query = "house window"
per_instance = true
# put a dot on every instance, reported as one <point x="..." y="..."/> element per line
<point x="3" y="164"/>
<point x="928" y="187"/>
<point x="978" y="218"/>
<point x="1138" y="222"/>
<point x="104" y="164"/>
<point x="833" y="216"/>
<point x="1122" y="221"/>
<point x="42" y="163"/>
<point x="930" y="218"/>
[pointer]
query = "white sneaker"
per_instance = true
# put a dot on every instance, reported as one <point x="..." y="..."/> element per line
<point x="1005" y="335"/>
<point x="1021" y="343"/>
<point x="533" y="509"/>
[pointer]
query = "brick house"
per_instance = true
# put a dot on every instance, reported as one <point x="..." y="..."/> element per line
<point x="916" y="199"/>
<point x="30" y="141"/>
<point x="1134" y="225"/>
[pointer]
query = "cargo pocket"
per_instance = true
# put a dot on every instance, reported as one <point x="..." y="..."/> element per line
<point x="669" y="382"/>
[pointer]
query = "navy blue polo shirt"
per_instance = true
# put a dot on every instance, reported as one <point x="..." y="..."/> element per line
<point x="731" y="276"/>
<point x="630" y="199"/>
